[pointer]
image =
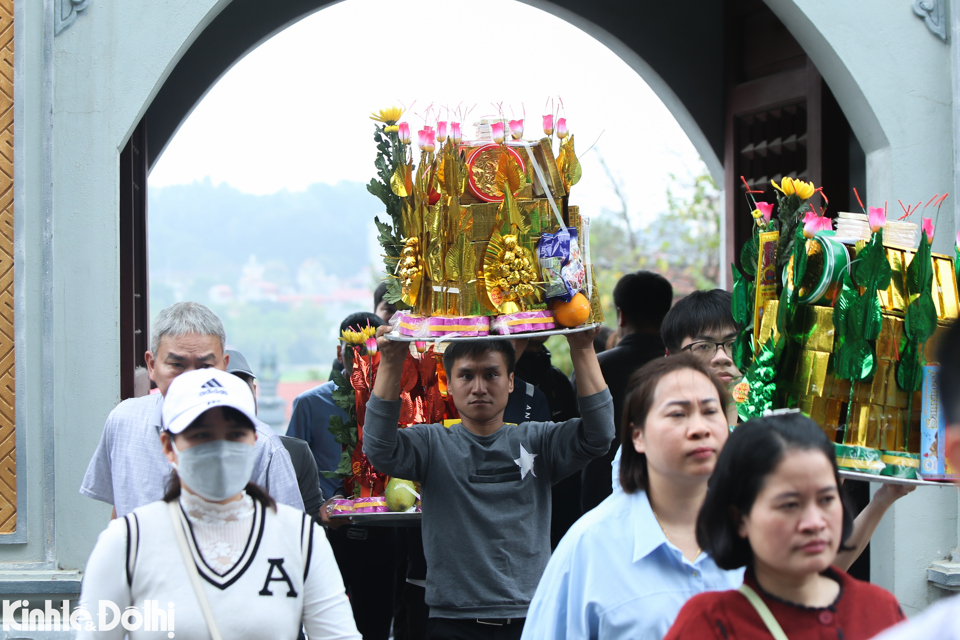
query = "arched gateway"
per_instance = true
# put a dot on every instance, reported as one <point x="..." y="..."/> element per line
<point x="99" y="88"/>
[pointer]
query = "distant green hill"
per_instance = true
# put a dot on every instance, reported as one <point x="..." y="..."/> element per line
<point x="213" y="230"/>
<point x="201" y="235"/>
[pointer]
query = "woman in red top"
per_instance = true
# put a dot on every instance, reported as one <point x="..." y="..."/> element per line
<point x="774" y="506"/>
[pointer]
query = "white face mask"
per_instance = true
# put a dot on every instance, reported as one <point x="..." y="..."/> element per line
<point x="215" y="470"/>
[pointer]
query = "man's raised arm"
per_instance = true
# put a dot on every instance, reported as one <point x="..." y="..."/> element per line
<point x="586" y="367"/>
<point x="391" y="450"/>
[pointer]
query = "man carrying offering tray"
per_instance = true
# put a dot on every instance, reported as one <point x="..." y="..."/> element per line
<point x="485" y="484"/>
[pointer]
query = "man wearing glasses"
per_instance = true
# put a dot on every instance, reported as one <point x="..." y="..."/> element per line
<point x="702" y="323"/>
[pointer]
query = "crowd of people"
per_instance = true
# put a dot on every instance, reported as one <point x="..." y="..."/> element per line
<point x="625" y="502"/>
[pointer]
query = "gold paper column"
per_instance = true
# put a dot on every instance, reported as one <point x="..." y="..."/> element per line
<point x="8" y="456"/>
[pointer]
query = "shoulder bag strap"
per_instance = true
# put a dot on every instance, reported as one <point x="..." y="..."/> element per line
<point x="765" y="614"/>
<point x="174" y="508"/>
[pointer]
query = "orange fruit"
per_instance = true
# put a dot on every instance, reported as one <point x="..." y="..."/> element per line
<point x="573" y="313"/>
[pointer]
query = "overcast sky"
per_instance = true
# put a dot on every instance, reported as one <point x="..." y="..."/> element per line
<point x="295" y="110"/>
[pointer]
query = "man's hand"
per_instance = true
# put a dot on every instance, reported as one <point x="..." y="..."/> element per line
<point x="583" y="339"/>
<point x="585" y="365"/>
<point x="326" y="510"/>
<point x="392" y="355"/>
<point x="392" y="352"/>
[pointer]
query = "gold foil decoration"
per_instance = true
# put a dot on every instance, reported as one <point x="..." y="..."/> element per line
<point x="573" y="217"/>
<point x="888" y="342"/>
<point x="858" y="429"/>
<point x="767" y="279"/>
<point x="484" y="220"/>
<point x="567" y="164"/>
<point x="817" y="328"/>
<point x="433" y="230"/>
<point x="543" y="153"/>
<point x="508" y="176"/>
<point x="401" y="182"/>
<point x="893" y="298"/>
<point x="768" y="324"/>
<point x="823" y="411"/>
<point x="946" y="283"/>
<point x="410" y="271"/>
<point x="508" y="272"/>
<point x="812" y="369"/>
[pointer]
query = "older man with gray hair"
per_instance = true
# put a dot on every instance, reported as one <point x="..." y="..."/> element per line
<point x="128" y="469"/>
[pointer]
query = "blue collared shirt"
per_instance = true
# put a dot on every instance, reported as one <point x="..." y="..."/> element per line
<point x="615" y="576"/>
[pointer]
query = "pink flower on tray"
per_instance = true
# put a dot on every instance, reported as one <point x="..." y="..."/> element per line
<point x="548" y="124"/>
<point x="877" y="219"/>
<point x="812" y="223"/>
<point x="496" y="130"/>
<point x="403" y="131"/>
<point x="516" y="129"/>
<point x="562" y="128"/>
<point x="427" y="139"/>
<point x="927" y="228"/>
<point x="455" y="132"/>
<point x="441" y="131"/>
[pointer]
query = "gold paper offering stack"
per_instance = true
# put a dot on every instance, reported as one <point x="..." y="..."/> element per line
<point x="476" y="246"/>
<point x="879" y="406"/>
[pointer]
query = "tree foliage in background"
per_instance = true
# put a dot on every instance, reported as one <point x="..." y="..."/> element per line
<point x="681" y="244"/>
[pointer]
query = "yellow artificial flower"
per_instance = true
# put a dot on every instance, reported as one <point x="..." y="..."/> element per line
<point x="391" y="128"/>
<point x="788" y="186"/>
<point x="358" y="338"/>
<point x="804" y="189"/>
<point x="388" y="116"/>
<point x="785" y="187"/>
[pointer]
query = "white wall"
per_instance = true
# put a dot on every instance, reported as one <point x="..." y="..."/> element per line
<point x="79" y="95"/>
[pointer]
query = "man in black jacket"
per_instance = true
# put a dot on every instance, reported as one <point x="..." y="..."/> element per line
<point x="642" y="300"/>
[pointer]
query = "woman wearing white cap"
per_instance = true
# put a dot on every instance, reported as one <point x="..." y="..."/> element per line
<point x="217" y="557"/>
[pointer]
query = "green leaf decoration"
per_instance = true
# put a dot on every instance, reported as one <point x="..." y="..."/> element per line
<point x="760" y="380"/>
<point x="871" y="269"/>
<point x="743" y="349"/>
<point x="844" y="336"/>
<point x="910" y="368"/>
<point x="741" y="307"/>
<point x="749" y="255"/>
<point x="920" y="269"/>
<point x="867" y="316"/>
<point x="344" y="432"/>
<point x="956" y="264"/>
<point x="920" y="319"/>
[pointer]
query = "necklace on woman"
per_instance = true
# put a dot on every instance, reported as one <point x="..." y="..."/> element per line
<point x="695" y="556"/>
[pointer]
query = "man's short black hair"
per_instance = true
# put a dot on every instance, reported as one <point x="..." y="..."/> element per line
<point x="643" y="299"/>
<point x="359" y="320"/>
<point x="699" y="313"/>
<point x="752" y="453"/>
<point x="948" y="379"/>
<point x="473" y="349"/>
<point x="378" y="294"/>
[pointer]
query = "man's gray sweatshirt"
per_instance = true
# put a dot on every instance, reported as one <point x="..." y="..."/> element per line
<point x="486" y="499"/>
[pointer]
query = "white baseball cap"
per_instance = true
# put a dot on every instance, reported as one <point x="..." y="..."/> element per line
<point x="194" y="392"/>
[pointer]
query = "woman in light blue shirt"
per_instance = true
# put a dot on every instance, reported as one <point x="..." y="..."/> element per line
<point x="626" y="568"/>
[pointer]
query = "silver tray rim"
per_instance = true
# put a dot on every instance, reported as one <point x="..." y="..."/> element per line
<point x="869" y="477"/>
<point x="396" y="337"/>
